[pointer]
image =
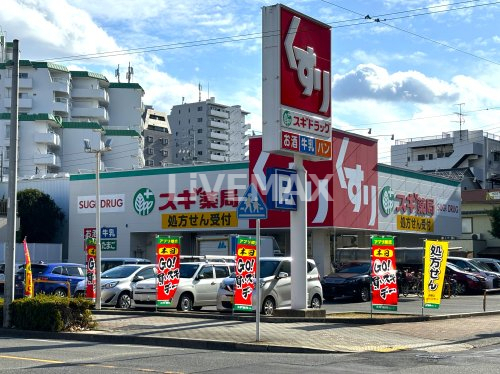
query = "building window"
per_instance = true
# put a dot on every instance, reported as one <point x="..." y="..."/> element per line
<point x="200" y="108"/>
<point x="200" y="153"/>
<point x="200" y="142"/>
<point x="23" y="75"/>
<point x="150" y="151"/>
<point x="431" y="156"/>
<point x="150" y="163"/>
<point x="150" y="139"/>
<point x="496" y="156"/>
<point x="200" y="119"/>
<point x="200" y="131"/>
<point x="7" y="131"/>
<point x="421" y="157"/>
<point x="164" y="141"/>
<point x="467" y="225"/>
<point x="165" y="153"/>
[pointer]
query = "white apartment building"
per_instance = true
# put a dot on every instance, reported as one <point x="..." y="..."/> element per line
<point x="473" y="157"/>
<point x="158" y="139"/>
<point x="59" y="108"/>
<point x="207" y="131"/>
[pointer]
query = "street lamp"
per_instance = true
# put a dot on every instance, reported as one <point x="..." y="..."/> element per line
<point x="88" y="149"/>
<point x="391" y="135"/>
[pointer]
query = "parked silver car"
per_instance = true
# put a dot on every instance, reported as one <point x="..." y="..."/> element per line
<point x="117" y="282"/>
<point x="198" y="285"/>
<point x="492" y="263"/>
<point x="275" y="286"/>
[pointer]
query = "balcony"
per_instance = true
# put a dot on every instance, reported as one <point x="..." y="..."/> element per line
<point x="22" y="103"/>
<point x="48" y="159"/>
<point x="219" y="147"/>
<point x="218" y="135"/>
<point x="23" y="82"/>
<point x="100" y="114"/>
<point x="219" y="125"/>
<point x="88" y="93"/>
<point x="61" y="104"/>
<point x="219" y="113"/>
<point x="217" y="158"/>
<point x="60" y="85"/>
<point x="48" y="138"/>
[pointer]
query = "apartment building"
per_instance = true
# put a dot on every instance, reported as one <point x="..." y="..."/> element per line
<point x="58" y="109"/>
<point x="157" y="139"/>
<point x="472" y="156"/>
<point x="208" y="132"/>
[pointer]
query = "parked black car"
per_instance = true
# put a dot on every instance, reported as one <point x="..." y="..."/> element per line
<point x="352" y="281"/>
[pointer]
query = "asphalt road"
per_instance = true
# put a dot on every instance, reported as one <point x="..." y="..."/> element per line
<point x="57" y="356"/>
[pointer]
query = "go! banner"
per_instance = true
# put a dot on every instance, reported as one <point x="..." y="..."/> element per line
<point x="246" y="266"/>
<point x="90" y="283"/>
<point x="435" y="257"/>
<point x="168" y="250"/>
<point x="384" y="279"/>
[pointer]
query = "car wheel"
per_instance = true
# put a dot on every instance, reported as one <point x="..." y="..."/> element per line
<point x="124" y="301"/>
<point x="185" y="303"/>
<point x="364" y="294"/>
<point x="268" y="306"/>
<point x="79" y="294"/>
<point x="461" y="288"/>
<point x="316" y="302"/>
<point x="61" y="292"/>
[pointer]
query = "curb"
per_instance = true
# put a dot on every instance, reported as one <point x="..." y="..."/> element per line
<point x="160" y="342"/>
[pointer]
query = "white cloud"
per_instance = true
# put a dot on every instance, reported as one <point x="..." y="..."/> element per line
<point x="369" y="81"/>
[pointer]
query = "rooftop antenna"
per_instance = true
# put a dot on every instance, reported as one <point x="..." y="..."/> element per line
<point x="182" y="99"/>
<point x="461" y="119"/>
<point x="130" y="72"/>
<point x="199" y="92"/>
<point x="208" y="96"/>
<point x="117" y="73"/>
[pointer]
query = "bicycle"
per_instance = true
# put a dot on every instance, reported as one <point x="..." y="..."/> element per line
<point x="449" y="288"/>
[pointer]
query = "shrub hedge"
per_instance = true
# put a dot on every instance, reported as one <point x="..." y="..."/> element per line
<point x="51" y="313"/>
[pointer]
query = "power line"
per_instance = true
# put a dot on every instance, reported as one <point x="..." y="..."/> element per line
<point x="377" y="19"/>
<point x="252" y="36"/>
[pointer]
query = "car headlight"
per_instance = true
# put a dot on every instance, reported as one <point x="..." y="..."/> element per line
<point x="110" y="285"/>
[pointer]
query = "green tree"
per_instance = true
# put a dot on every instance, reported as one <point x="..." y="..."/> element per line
<point x="495" y="221"/>
<point x="39" y="216"/>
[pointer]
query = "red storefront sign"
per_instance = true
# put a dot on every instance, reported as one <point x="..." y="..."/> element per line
<point x="168" y="249"/>
<point x="246" y="259"/>
<point x="384" y="280"/>
<point x="305" y="63"/>
<point x="342" y="191"/>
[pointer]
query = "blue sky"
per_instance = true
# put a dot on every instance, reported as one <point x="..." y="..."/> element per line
<point x="403" y="75"/>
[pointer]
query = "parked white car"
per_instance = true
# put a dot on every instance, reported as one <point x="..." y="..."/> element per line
<point x="117" y="282"/>
<point x="198" y="285"/>
<point x="275" y="286"/>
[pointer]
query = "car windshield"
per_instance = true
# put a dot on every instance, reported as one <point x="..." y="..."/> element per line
<point x="479" y="265"/>
<point x="454" y="267"/>
<point x="188" y="270"/>
<point x="359" y="268"/>
<point x="120" y="272"/>
<point x="267" y="269"/>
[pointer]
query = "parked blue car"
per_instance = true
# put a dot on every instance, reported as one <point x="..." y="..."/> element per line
<point x="52" y="278"/>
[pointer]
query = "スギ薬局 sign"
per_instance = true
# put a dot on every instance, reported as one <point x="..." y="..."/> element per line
<point x="297" y="105"/>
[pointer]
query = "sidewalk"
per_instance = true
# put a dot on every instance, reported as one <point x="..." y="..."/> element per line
<point x="203" y="331"/>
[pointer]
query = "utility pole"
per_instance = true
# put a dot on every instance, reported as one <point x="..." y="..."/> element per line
<point x="461" y="119"/>
<point x="10" y="250"/>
